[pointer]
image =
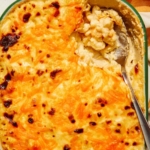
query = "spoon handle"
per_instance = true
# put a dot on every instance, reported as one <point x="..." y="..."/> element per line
<point x="142" y="120"/>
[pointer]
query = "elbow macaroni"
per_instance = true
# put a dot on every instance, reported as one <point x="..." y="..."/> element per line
<point x="98" y="29"/>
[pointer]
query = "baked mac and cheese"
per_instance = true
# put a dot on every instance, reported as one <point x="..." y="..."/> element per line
<point x="50" y="97"/>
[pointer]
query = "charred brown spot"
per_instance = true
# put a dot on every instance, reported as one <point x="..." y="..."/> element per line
<point x="26" y="47"/>
<point x="48" y="55"/>
<point x="3" y="85"/>
<point x="24" y="7"/>
<point x="12" y="72"/>
<point x="13" y="30"/>
<point x="136" y="68"/>
<point x="79" y="131"/>
<point x="3" y="124"/>
<point x="89" y="116"/>
<point x="26" y="17"/>
<point x="43" y="105"/>
<point x="8" y="56"/>
<point x="7" y="103"/>
<point x="8" y="77"/>
<point x="38" y="14"/>
<point x="102" y="105"/>
<point x="130" y="114"/>
<point x="117" y="131"/>
<point x="101" y="101"/>
<point x="9" y="116"/>
<point x="8" y="40"/>
<point x="39" y="72"/>
<point x="66" y="147"/>
<point x="33" y="5"/>
<point x="30" y="120"/>
<point x="4" y="143"/>
<point x="99" y="114"/>
<point x="92" y="123"/>
<point x="54" y="73"/>
<point x="57" y="12"/>
<point x="85" y="104"/>
<point x="122" y="141"/>
<point x="119" y="124"/>
<point x="128" y="132"/>
<point x="108" y="121"/>
<point x="41" y="61"/>
<point x="126" y="143"/>
<point x="84" y="14"/>
<point x="78" y="8"/>
<point x="71" y="118"/>
<point x="137" y="128"/>
<point x="14" y="124"/>
<point x="134" y="143"/>
<point x="55" y="4"/>
<point x="127" y="107"/>
<point x="51" y="112"/>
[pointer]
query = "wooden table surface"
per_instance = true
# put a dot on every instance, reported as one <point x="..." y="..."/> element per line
<point x="142" y="6"/>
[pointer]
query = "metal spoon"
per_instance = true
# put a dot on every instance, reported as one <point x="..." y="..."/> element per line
<point x="121" y="55"/>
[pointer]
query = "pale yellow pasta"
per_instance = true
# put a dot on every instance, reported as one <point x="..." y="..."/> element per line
<point x="98" y="29"/>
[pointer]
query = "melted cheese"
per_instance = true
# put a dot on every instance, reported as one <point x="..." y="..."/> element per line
<point x="48" y="100"/>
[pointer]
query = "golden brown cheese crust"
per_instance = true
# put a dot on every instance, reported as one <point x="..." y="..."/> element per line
<point x="50" y="102"/>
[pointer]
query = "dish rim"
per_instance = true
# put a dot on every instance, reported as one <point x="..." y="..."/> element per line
<point x="145" y="44"/>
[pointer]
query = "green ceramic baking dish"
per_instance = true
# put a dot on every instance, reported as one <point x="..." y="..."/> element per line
<point x="136" y="30"/>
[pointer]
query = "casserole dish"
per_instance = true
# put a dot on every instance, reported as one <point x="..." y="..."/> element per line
<point x="50" y="95"/>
